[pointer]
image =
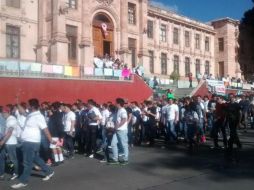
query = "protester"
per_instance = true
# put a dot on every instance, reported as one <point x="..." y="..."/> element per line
<point x="121" y="135"/>
<point x="9" y="140"/>
<point x="31" y="138"/>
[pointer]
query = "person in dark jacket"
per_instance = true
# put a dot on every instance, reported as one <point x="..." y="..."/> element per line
<point x="56" y="129"/>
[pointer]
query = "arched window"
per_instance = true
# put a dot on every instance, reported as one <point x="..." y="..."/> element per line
<point x="187" y="66"/>
<point x="176" y="64"/>
<point x="207" y="67"/>
<point x="198" y="67"/>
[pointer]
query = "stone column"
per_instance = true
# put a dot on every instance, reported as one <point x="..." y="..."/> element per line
<point x="59" y="42"/>
<point x="42" y="46"/>
<point x="124" y="29"/>
<point x="87" y="50"/>
<point x="143" y="49"/>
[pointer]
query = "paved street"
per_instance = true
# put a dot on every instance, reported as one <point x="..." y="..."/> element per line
<point x="155" y="169"/>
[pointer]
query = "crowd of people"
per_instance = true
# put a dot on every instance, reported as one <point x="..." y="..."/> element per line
<point x="108" y="62"/>
<point x="44" y="135"/>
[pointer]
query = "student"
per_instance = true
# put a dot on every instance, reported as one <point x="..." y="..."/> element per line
<point x="121" y="135"/>
<point x="9" y="140"/>
<point x="31" y="137"/>
<point x="69" y="120"/>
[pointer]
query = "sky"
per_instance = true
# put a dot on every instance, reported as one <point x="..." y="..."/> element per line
<point x="207" y="10"/>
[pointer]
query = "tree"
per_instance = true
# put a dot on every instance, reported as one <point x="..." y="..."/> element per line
<point x="174" y="76"/>
<point x="246" y="44"/>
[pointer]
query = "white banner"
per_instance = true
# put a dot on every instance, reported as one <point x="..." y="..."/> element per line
<point x="215" y="82"/>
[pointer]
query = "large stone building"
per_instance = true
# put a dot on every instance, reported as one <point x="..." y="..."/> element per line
<point x="72" y="32"/>
<point x="226" y="47"/>
<point x="18" y="29"/>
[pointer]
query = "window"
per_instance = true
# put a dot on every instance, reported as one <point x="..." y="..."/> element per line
<point x="207" y="67"/>
<point x="221" y="68"/>
<point x="163" y="63"/>
<point x="13" y="3"/>
<point x="150" y="29"/>
<point x="187" y="38"/>
<point x="72" y="4"/>
<point x="197" y="41"/>
<point x="131" y="13"/>
<point x="151" y="61"/>
<point x="176" y="36"/>
<point x="163" y="33"/>
<point x="207" y="44"/>
<point x="132" y="47"/>
<point x="71" y="34"/>
<point x="187" y="66"/>
<point x="198" y="67"/>
<point x="176" y="64"/>
<point x="221" y="44"/>
<point x="12" y="42"/>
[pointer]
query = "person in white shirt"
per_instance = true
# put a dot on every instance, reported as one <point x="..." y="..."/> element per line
<point x="21" y="114"/>
<point x="105" y="115"/>
<point x="172" y="117"/>
<point x="135" y="124"/>
<point x="94" y="118"/>
<point x="2" y="150"/>
<point x="9" y="140"/>
<point x="69" y="120"/>
<point x="31" y="137"/>
<point x="121" y="135"/>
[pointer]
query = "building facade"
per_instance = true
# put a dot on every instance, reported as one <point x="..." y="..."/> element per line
<point x="226" y="47"/>
<point x="18" y="29"/>
<point x="72" y="32"/>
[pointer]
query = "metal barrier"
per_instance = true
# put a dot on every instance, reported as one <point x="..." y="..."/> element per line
<point x="18" y="68"/>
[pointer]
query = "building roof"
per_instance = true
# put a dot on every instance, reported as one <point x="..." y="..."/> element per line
<point x="226" y="19"/>
<point x="171" y="15"/>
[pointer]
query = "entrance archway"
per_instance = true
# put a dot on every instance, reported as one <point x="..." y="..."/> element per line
<point x="103" y="35"/>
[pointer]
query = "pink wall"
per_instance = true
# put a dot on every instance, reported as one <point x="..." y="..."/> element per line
<point x="70" y="90"/>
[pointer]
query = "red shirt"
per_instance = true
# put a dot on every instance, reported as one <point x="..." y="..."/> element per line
<point x="220" y="111"/>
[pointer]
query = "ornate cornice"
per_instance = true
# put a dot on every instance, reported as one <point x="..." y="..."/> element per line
<point x="106" y="2"/>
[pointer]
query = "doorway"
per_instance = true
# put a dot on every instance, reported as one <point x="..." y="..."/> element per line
<point x="103" y="41"/>
<point x="221" y="69"/>
<point x="106" y="47"/>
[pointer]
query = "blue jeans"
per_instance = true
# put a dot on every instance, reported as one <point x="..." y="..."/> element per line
<point x="191" y="131"/>
<point x="171" y="131"/>
<point x="12" y="152"/>
<point x="68" y="144"/>
<point x="30" y="152"/>
<point x="2" y="161"/>
<point x="201" y="127"/>
<point x="120" y="137"/>
<point x="210" y="121"/>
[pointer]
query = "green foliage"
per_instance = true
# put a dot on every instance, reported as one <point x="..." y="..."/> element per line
<point x="174" y="76"/>
<point x="246" y="42"/>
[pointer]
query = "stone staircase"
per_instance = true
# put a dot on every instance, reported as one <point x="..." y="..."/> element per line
<point x="183" y="92"/>
<point x="178" y="92"/>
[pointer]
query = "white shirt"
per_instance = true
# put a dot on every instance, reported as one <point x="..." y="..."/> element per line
<point x="202" y="107"/>
<point x="206" y="105"/>
<point x="105" y="115"/>
<point x="2" y="125"/>
<point x="21" y="119"/>
<point x="171" y="111"/>
<point x="164" y="113"/>
<point x="144" y="117"/>
<point x="35" y="122"/>
<point x="134" y="118"/>
<point x="67" y="119"/>
<point x="11" y="122"/>
<point x="122" y="114"/>
<point x="97" y="113"/>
